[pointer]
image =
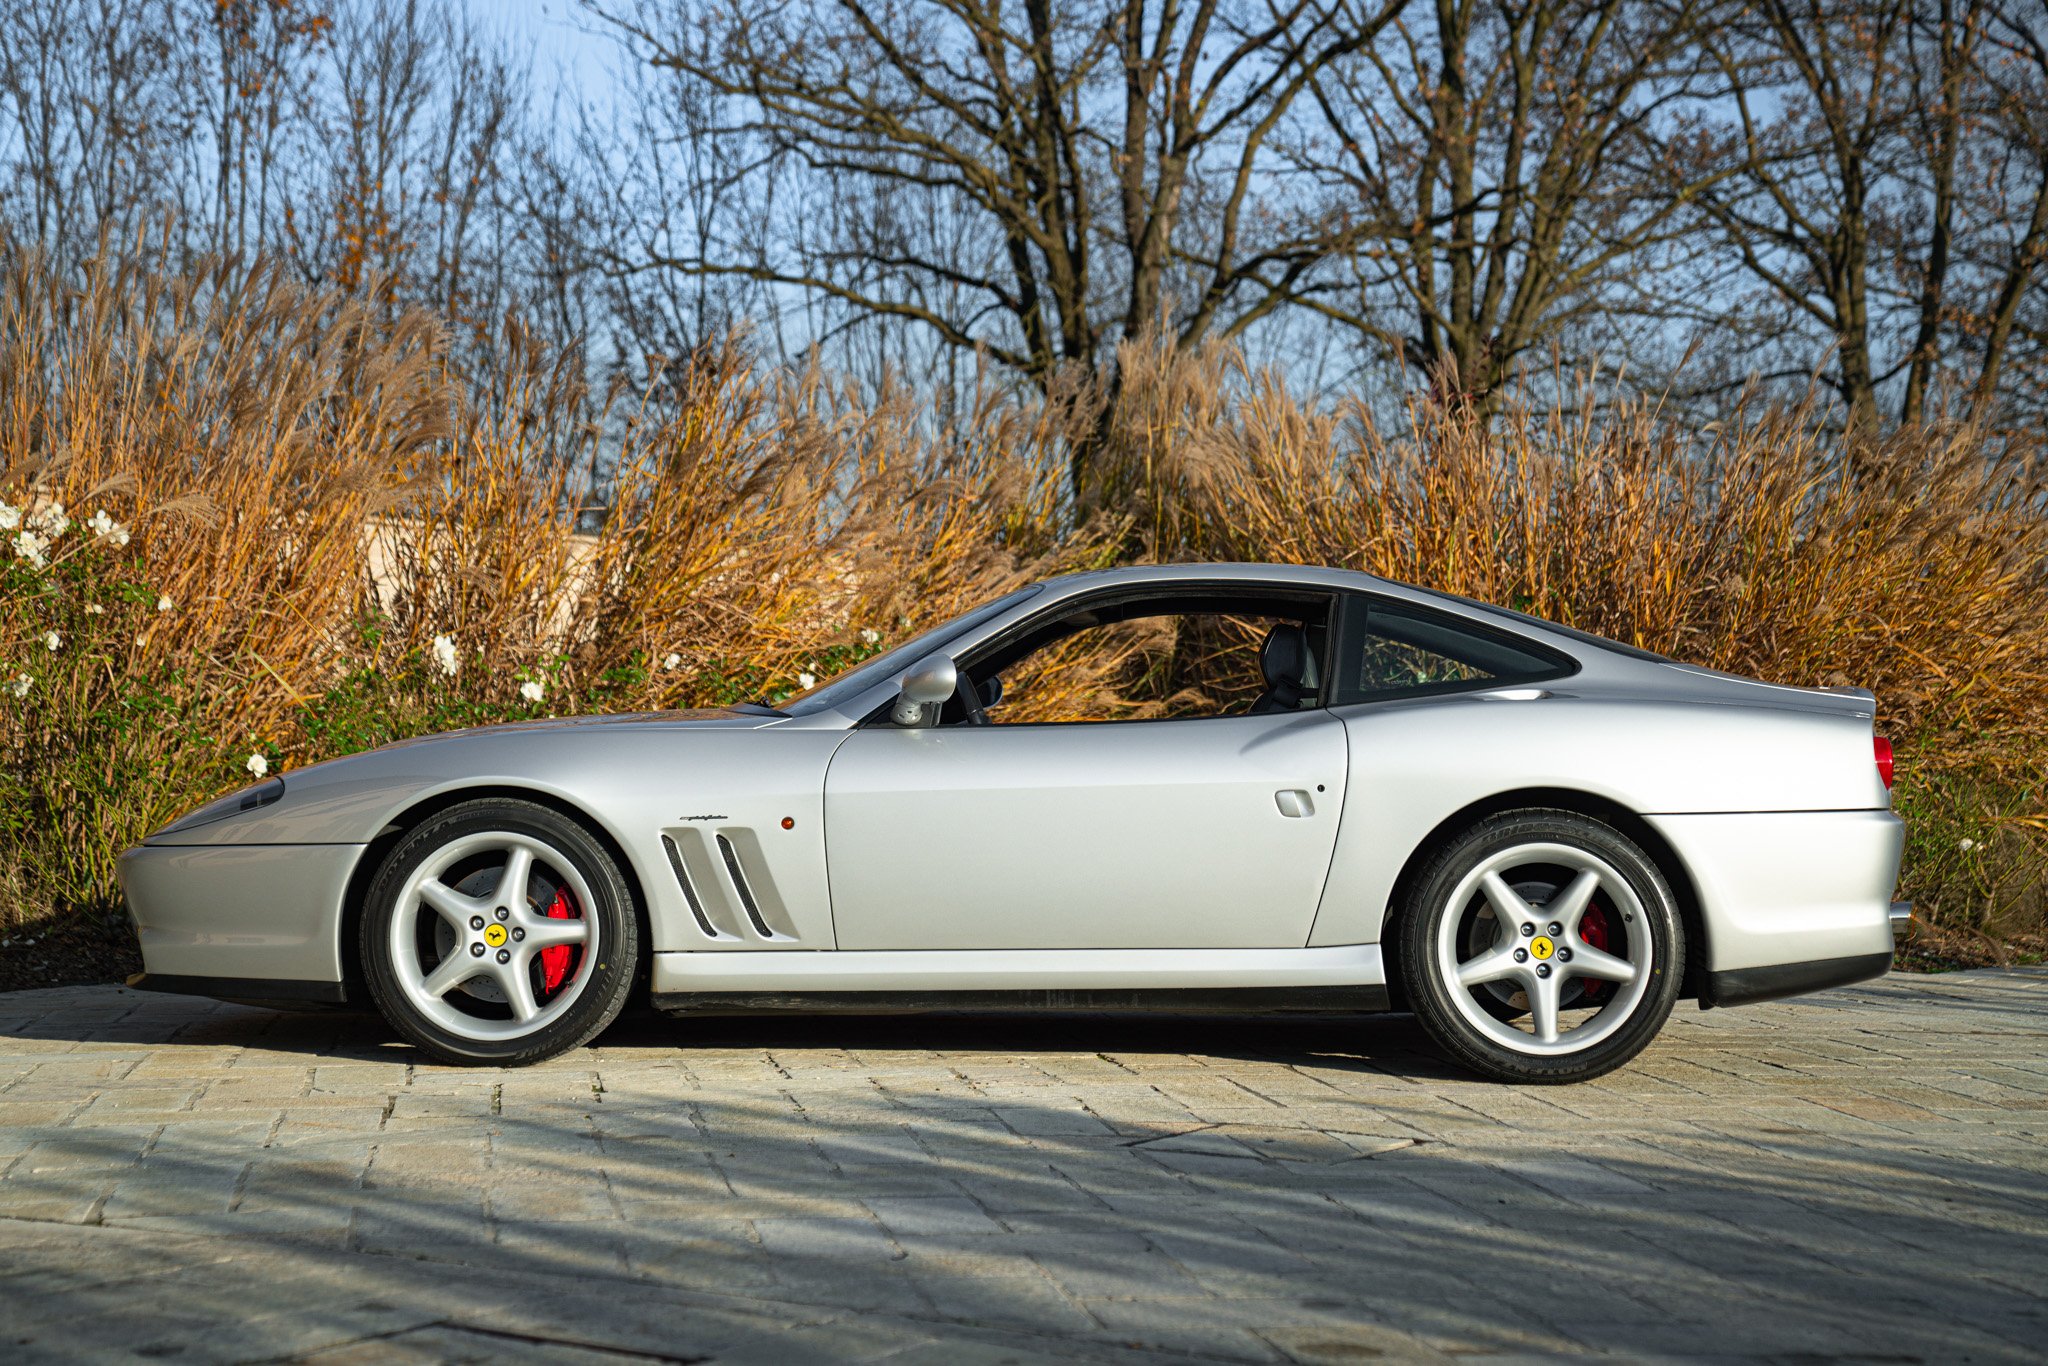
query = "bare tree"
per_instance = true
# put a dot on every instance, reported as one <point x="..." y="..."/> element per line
<point x="1887" y="199"/>
<point x="1503" y="166"/>
<point x="93" y="123"/>
<point x="1030" y="182"/>
<point x="2011" y="252"/>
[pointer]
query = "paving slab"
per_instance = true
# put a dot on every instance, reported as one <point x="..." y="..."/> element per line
<point x="1857" y="1175"/>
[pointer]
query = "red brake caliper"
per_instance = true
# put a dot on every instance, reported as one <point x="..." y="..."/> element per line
<point x="1593" y="929"/>
<point x="554" y="962"/>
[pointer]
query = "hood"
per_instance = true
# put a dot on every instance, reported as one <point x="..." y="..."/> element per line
<point x="342" y="800"/>
<point x="724" y="718"/>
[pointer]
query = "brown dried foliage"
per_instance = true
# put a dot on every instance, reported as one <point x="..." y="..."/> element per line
<point x="294" y="465"/>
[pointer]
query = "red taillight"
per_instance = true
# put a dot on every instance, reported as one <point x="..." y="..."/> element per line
<point x="1884" y="759"/>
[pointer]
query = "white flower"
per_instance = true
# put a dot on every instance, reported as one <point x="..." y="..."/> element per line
<point x="105" y="528"/>
<point x="674" y="661"/>
<point x="444" y="656"/>
<point x="53" y="520"/>
<point x="163" y="604"/>
<point x="257" y="765"/>
<point x="30" y="547"/>
<point x="52" y="641"/>
<point x="19" y="685"/>
<point x="10" y="516"/>
<point x="869" y="635"/>
<point x="531" y="691"/>
<point x="1966" y="845"/>
<point x="93" y="609"/>
<point x="807" y="680"/>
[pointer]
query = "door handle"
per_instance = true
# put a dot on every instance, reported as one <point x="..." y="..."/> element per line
<point x="1294" y="802"/>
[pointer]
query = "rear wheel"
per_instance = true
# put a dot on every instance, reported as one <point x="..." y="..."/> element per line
<point x="1541" y="946"/>
<point x="499" y="931"/>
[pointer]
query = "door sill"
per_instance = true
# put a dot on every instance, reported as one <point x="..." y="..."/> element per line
<point x="1179" y="1001"/>
<point x="809" y="972"/>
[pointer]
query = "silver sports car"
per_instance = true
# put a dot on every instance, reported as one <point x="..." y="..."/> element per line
<point x="1325" y="791"/>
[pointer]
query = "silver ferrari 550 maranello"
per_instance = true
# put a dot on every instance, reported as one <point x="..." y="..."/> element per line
<point x="1320" y="790"/>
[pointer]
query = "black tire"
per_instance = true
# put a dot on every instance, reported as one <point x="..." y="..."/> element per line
<point x="611" y="965"/>
<point x="1428" y="985"/>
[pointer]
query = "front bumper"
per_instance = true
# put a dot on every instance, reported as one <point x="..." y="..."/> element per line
<point x="249" y="913"/>
<point x="255" y="991"/>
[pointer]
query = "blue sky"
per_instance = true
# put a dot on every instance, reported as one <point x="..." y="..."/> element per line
<point x="559" y="37"/>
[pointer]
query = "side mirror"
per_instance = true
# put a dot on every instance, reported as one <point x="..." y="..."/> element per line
<point x="933" y="680"/>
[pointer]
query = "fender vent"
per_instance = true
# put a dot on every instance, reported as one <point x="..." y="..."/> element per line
<point x="740" y="885"/>
<point x="675" y="863"/>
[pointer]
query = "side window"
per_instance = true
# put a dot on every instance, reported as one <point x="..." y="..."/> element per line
<point x="1401" y="650"/>
<point x="1164" y="667"/>
<point x="1176" y="656"/>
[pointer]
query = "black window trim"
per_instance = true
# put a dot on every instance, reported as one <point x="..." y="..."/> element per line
<point x="1352" y="624"/>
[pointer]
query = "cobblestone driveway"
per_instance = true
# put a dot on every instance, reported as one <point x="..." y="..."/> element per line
<point x="1860" y="1176"/>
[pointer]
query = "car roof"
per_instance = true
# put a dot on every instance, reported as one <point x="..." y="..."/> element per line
<point x="1572" y="641"/>
<point x="1286" y="575"/>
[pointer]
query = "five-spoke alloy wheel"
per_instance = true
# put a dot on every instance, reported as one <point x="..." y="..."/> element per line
<point x="499" y="931"/>
<point x="1541" y="946"/>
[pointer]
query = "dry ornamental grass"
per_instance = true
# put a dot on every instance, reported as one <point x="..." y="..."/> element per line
<point x="268" y="525"/>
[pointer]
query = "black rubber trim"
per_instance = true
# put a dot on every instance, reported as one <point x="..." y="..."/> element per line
<point x="1747" y="986"/>
<point x="1169" y="1000"/>
<point x="261" y="990"/>
<point x="675" y="863"/>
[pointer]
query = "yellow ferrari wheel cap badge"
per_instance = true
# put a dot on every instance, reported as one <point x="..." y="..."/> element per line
<point x="495" y="937"/>
<point x="1541" y="947"/>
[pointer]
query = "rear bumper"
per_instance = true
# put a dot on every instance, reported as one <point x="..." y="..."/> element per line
<point x="1747" y="986"/>
<point x="246" y="913"/>
<point x="1783" y="890"/>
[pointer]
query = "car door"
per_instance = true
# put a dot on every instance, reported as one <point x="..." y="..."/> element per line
<point x="1210" y="832"/>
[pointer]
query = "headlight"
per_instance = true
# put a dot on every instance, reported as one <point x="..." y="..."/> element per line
<point x="234" y="804"/>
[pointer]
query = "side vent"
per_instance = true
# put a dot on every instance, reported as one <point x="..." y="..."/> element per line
<point x="675" y="863"/>
<point x="740" y="885"/>
<point x="728" y="881"/>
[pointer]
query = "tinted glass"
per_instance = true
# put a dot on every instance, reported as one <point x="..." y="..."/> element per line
<point x="1155" y="667"/>
<point x="1406" y="650"/>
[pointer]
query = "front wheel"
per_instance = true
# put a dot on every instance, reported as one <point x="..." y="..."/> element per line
<point x="1541" y="946"/>
<point x="499" y="931"/>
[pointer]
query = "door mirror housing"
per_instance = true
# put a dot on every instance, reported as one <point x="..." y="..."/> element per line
<point x="930" y="682"/>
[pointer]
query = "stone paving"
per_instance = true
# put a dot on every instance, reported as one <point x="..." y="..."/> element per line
<point x="1857" y="1176"/>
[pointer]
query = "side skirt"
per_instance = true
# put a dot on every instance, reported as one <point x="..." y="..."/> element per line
<point x="1224" y="1001"/>
<point x="1053" y="974"/>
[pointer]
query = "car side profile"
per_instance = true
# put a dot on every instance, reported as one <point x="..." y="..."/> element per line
<point x="1283" y="787"/>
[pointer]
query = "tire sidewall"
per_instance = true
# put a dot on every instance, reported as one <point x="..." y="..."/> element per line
<point x="1428" y="995"/>
<point x="613" y="910"/>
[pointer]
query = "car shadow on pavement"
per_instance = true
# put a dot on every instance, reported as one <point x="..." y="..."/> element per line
<point x="1109" y="1187"/>
<point x="1377" y="1042"/>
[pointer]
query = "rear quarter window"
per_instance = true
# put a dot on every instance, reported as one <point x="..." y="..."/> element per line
<point x="1390" y="649"/>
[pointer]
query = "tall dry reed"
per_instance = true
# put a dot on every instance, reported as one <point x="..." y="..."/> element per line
<point x="314" y="540"/>
<point x="1914" y="564"/>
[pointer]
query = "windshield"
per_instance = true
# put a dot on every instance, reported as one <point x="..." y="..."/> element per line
<point x="853" y="682"/>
